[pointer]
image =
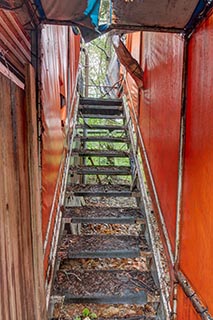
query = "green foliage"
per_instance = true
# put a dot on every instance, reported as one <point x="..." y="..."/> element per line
<point x="99" y="51"/>
<point x="86" y="313"/>
<point x="104" y="12"/>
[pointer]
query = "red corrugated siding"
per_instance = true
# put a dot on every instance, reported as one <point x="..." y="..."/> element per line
<point x="54" y="81"/>
<point x="197" y="218"/>
<point x="160" y="116"/>
<point x="133" y="45"/>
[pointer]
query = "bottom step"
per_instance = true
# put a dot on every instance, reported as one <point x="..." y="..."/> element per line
<point x="126" y="318"/>
<point x="104" y="287"/>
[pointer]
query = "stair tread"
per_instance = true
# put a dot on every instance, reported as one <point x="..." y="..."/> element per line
<point x="103" y="214"/>
<point x="101" y="127"/>
<point x="99" y="101"/>
<point x="118" y="318"/>
<point x="101" y="190"/>
<point x="102" y="116"/>
<point x="100" y="153"/>
<point x="102" y="245"/>
<point x="102" y="138"/>
<point x="101" y="109"/>
<point x="102" y="170"/>
<point x="101" y="286"/>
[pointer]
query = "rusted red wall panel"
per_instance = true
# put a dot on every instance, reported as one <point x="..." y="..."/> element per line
<point x="197" y="218"/>
<point x="16" y="276"/>
<point x="162" y="60"/>
<point x="55" y="41"/>
<point x="133" y="45"/>
<point x="185" y="309"/>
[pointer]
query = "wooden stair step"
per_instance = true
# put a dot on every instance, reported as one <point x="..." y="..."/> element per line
<point x="100" y="153"/>
<point x="99" y="101"/>
<point x="101" y="170"/>
<point x="102" y="138"/>
<point x="102" y="246"/>
<point x="104" y="287"/>
<point x="103" y="215"/>
<point x="101" y="190"/>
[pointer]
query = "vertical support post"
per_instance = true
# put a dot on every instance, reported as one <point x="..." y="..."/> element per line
<point x="181" y="150"/>
<point x="68" y="76"/>
<point x="86" y="95"/>
<point x="34" y="192"/>
<point x="180" y="168"/>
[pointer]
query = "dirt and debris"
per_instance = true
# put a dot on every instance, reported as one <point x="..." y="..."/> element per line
<point x="98" y="187"/>
<point x="101" y="283"/>
<point x="71" y="311"/>
<point x="87" y="276"/>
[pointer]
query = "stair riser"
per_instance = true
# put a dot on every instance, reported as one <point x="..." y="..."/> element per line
<point x="98" y="102"/>
<point x="140" y="299"/>
<point x="104" y="220"/>
<point x="101" y="110"/>
<point x="102" y="127"/>
<point x="106" y="194"/>
<point x="102" y="139"/>
<point x="97" y="154"/>
<point x="100" y="172"/>
<point x="106" y="254"/>
<point x="102" y="116"/>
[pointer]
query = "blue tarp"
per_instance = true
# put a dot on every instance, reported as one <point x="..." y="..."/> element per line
<point x="199" y="9"/>
<point x="92" y="11"/>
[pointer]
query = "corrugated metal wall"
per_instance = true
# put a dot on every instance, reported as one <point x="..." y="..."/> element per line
<point x="161" y="111"/>
<point x="196" y="247"/>
<point x="162" y="61"/>
<point x="60" y="56"/>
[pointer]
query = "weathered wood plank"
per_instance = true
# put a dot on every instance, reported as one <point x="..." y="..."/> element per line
<point x="35" y="201"/>
<point x="17" y="284"/>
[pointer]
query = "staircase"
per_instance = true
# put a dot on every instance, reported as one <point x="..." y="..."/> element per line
<point x="95" y="217"/>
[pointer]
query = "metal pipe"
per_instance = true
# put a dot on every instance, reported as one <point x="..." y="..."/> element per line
<point x="165" y="233"/>
<point x="147" y="204"/>
<point x="86" y="70"/>
<point x="181" y="149"/>
<point x="198" y="305"/>
<point x="126" y="27"/>
<point x="180" y="166"/>
<point x="123" y="27"/>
